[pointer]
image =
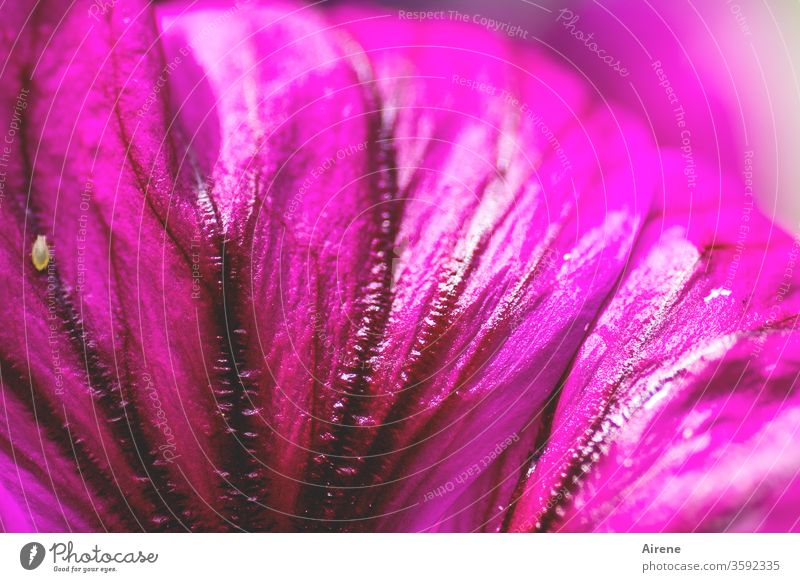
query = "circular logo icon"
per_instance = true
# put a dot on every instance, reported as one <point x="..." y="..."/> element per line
<point x="31" y="555"/>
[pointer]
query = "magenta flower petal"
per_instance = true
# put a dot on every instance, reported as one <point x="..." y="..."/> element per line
<point x="105" y="190"/>
<point x="486" y="314"/>
<point x="328" y="270"/>
<point x="685" y="384"/>
<point x="306" y="187"/>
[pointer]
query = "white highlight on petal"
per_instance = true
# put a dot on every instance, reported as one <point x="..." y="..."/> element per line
<point x="717" y="292"/>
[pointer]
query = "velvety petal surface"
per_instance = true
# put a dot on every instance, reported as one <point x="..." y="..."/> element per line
<point x="676" y="412"/>
<point x="330" y="270"/>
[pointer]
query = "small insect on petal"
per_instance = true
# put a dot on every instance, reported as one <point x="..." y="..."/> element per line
<point x="40" y="254"/>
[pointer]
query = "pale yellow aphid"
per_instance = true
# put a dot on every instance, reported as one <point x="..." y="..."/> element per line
<point x="40" y="254"/>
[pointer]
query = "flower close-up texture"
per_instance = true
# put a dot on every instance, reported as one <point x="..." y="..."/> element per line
<point x="289" y="267"/>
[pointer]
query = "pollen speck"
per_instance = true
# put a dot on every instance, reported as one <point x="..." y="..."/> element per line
<point x="40" y="254"/>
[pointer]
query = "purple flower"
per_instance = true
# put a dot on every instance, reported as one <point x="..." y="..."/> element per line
<point x="350" y="270"/>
